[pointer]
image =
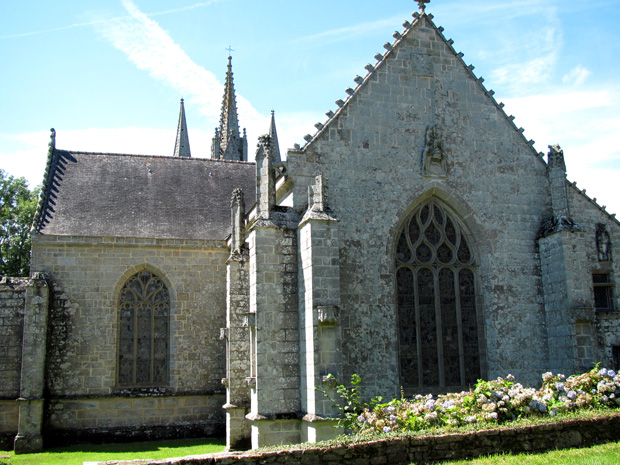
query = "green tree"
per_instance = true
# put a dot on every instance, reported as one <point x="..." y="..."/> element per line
<point x="18" y="205"/>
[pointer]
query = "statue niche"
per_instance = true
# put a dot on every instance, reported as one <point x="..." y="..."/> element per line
<point x="434" y="161"/>
<point x="603" y="243"/>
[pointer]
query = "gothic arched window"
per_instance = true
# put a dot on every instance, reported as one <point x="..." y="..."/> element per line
<point x="144" y="306"/>
<point x="437" y="313"/>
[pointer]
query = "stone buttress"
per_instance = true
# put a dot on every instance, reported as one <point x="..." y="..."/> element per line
<point x="273" y="319"/>
<point x="565" y="281"/>
<point x="31" y="402"/>
<point x="236" y="332"/>
<point x="319" y="313"/>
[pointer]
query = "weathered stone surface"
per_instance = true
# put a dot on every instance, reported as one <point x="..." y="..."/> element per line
<point x="310" y="286"/>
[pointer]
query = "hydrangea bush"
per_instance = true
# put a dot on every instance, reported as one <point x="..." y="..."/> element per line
<point x="491" y="402"/>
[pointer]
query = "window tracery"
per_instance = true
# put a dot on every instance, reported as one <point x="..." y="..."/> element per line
<point x="436" y="292"/>
<point x="144" y="306"/>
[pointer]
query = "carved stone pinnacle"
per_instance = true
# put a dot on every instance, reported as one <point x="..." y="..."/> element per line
<point x="422" y="4"/>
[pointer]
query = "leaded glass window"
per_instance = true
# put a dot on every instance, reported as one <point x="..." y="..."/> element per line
<point x="144" y="305"/>
<point x="437" y="309"/>
<point x="603" y="292"/>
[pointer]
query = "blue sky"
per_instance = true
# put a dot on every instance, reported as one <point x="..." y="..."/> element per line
<point x="108" y="76"/>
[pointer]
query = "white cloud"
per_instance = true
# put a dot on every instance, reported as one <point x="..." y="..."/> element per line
<point x="576" y="76"/>
<point x="559" y="117"/>
<point x="151" y="49"/>
<point x="585" y="125"/>
<point x="519" y="70"/>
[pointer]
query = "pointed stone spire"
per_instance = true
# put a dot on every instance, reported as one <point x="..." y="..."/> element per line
<point x="181" y="145"/>
<point x="232" y="146"/>
<point x="273" y="135"/>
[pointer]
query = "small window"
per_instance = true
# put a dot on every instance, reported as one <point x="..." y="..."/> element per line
<point x="603" y="292"/>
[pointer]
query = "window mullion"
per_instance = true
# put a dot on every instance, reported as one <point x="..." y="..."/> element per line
<point x="459" y="323"/>
<point x="438" y="328"/>
<point x="418" y="331"/>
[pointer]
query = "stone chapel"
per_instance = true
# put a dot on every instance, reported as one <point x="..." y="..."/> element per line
<point x="416" y="239"/>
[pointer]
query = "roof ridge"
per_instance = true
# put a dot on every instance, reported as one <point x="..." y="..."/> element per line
<point x="47" y="180"/>
<point x="488" y="92"/>
<point x="381" y="58"/>
<point x="167" y="157"/>
<point x="361" y="81"/>
<point x="593" y="201"/>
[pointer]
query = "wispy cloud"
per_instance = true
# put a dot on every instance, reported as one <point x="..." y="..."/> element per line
<point x="577" y="76"/>
<point x="345" y="33"/>
<point x="530" y="58"/>
<point x="106" y="20"/>
<point x="152" y="49"/>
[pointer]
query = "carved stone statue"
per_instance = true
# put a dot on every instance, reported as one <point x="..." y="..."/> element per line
<point x="434" y="158"/>
<point x="603" y="243"/>
<point x="237" y="205"/>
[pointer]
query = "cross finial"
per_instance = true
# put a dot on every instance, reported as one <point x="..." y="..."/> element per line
<point x="230" y="49"/>
<point x="422" y="4"/>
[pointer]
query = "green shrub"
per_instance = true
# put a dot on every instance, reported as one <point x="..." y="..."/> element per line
<point x="497" y="401"/>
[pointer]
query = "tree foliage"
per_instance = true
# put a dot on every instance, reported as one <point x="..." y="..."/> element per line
<point x="18" y="205"/>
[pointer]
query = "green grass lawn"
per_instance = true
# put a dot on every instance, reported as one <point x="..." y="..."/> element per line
<point x="606" y="454"/>
<point x="76" y="455"/>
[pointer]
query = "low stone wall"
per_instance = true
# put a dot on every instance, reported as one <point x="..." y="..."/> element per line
<point x="12" y="295"/>
<point x="421" y="450"/>
<point x="122" y="419"/>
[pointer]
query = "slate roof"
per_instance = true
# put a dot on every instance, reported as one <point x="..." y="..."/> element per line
<point x="115" y="195"/>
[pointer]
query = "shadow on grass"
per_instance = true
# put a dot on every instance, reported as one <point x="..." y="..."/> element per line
<point x="150" y="446"/>
<point x="77" y="454"/>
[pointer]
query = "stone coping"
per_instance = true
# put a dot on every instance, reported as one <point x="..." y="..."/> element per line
<point x="421" y="449"/>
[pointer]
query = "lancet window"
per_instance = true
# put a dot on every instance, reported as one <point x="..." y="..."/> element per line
<point x="437" y="305"/>
<point x="144" y="306"/>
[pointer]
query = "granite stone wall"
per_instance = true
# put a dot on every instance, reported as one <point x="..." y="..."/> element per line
<point x="85" y="276"/>
<point x="600" y="327"/>
<point x="491" y="179"/>
<point x="12" y="304"/>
